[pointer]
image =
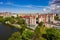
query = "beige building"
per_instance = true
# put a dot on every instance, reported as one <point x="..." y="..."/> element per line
<point x="46" y="18"/>
<point x="7" y="14"/>
<point x="32" y="19"/>
<point x="29" y="19"/>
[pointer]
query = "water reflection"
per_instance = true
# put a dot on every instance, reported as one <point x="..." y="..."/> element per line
<point x="6" y="31"/>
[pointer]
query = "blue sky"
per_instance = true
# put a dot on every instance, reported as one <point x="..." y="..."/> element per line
<point x="24" y="6"/>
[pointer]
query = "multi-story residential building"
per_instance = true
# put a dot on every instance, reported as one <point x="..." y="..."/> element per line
<point x="42" y="17"/>
<point x="46" y="18"/>
<point x="7" y="14"/>
<point x="1" y="14"/>
<point x="33" y="20"/>
<point x="29" y="19"/>
<point x="59" y="16"/>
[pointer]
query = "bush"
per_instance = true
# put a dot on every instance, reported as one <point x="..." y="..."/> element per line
<point x="27" y="34"/>
<point x="15" y="36"/>
<point x="52" y="34"/>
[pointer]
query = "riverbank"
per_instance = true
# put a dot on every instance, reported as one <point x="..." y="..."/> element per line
<point x="6" y="31"/>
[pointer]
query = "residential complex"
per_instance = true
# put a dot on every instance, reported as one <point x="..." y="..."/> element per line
<point x="34" y="19"/>
<point x="7" y="14"/>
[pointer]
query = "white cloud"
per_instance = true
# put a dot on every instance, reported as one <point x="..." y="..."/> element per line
<point x="44" y="9"/>
<point x="16" y="5"/>
<point x="1" y="2"/>
<point x="40" y="6"/>
<point x="28" y="6"/>
<point x="55" y="6"/>
<point x="58" y="6"/>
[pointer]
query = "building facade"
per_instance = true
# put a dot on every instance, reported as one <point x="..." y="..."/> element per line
<point x="33" y="19"/>
<point x="29" y="19"/>
<point x="45" y="18"/>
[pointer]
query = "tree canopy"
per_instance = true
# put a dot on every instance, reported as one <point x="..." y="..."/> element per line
<point x="15" y="36"/>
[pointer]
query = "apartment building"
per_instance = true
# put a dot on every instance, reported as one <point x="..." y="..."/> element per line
<point x="42" y="17"/>
<point x="1" y="14"/>
<point x="29" y="19"/>
<point x="7" y="14"/>
<point x="32" y="19"/>
<point x="46" y="18"/>
<point x="59" y="15"/>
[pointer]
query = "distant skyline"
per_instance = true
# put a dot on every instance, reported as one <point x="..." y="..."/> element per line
<point x="25" y="6"/>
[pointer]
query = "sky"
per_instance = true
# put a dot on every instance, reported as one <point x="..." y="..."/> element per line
<point x="25" y="6"/>
<point x="55" y="6"/>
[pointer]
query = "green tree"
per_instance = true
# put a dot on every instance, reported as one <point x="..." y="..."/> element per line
<point x="1" y="19"/>
<point x="41" y="24"/>
<point x="10" y="19"/>
<point x="21" y="21"/>
<point x="39" y="31"/>
<point x="23" y="27"/>
<point x="15" y="36"/>
<point x="27" y="34"/>
<point x="52" y="34"/>
<point x="56" y="17"/>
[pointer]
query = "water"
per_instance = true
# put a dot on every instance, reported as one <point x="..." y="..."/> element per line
<point x="6" y="31"/>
